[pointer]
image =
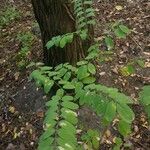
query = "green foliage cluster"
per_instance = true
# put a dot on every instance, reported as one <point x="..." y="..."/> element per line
<point x="25" y="39"/>
<point x="130" y="67"/>
<point x="91" y="138"/>
<point x="84" y="19"/>
<point x="76" y="87"/>
<point x="145" y="99"/>
<point x="117" y="30"/>
<point x="61" y="117"/>
<point x="7" y="15"/>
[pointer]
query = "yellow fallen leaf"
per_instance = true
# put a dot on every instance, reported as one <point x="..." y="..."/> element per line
<point x="12" y="109"/>
<point x="15" y="133"/>
<point x="30" y="131"/>
<point x="108" y="133"/>
<point x="16" y="75"/>
<point x="3" y="127"/>
<point x="147" y="64"/>
<point x="119" y="7"/>
<point x="15" y="136"/>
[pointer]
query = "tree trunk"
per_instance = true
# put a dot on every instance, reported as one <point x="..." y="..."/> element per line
<point x="55" y="17"/>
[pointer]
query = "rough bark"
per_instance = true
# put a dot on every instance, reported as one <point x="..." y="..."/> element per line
<point x="55" y="17"/>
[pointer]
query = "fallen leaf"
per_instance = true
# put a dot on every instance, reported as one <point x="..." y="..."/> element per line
<point x="40" y="113"/>
<point x="12" y="109"/>
<point x="119" y="7"/>
<point x="108" y="133"/>
<point x="16" y="75"/>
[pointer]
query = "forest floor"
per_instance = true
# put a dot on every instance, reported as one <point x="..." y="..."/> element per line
<point x="22" y="105"/>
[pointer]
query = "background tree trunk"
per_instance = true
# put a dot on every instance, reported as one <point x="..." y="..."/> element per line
<point x="55" y="17"/>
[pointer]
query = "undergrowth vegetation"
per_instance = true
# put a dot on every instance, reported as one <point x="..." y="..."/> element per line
<point x="26" y="40"/>
<point x="7" y="15"/>
<point x="75" y="86"/>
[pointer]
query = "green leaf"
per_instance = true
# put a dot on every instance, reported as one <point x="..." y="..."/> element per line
<point x="60" y="93"/>
<point x="95" y="138"/>
<point x="50" y="44"/>
<point x="109" y="42"/>
<point x="80" y="20"/>
<point x="147" y="110"/>
<point x="38" y="83"/>
<point x="68" y="125"/>
<point x="54" y="100"/>
<point x="69" y="86"/>
<point x="56" y="40"/>
<point x="83" y="62"/>
<point x="51" y="114"/>
<point x="131" y="69"/>
<point x="91" y="68"/>
<point x="56" y="78"/>
<point x="67" y="98"/>
<point x="67" y="76"/>
<point x="93" y="47"/>
<point x="51" y="103"/>
<point x="83" y="33"/>
<point x="88" y="2"/>
<point x="88" y="80"/>
<point x="90" y="14"/>
<point x="110" y="111"/>
<point x="62" y="72"/>
<point x="145" y="95"/>
<point x="48" y="85"/>
<point x="52" y="73"/>
<point x="69" y="38"/>
<point x="45" y="144"/>
<point x="82" y="72"/>
<point x="90" y="87"/>
<point x="118" y="143"/>
<point x="119" y="33"/>
<point x="127" y="70"/>
<point x="69" y="116"/>
<point x="125" y="29"/>
<point x="125" y="112"/>
<point x="141" y="63"/>
<point x="70" y="105"/>
<point x="89" y="10"/>
<point x="63" y="42"/>
<point x="70" y="67"/>
<point x="62" y="82"/>
<point x="35" y="74"/>
<point x="95" y="142"/>
<point x="47" y="134"/>
<point x="91" y="22"/>
<point x="118" y="97"/>
<point x="101" y="107"/>
<point x="92" y="55"/>
<point x="64" y="144"/>
<point x="65" y="135"/>
<point x="45" y="68"/>
<point x="58" y="67"/>
<point x="79" y="14"/>
<point x="124" y="128"/>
